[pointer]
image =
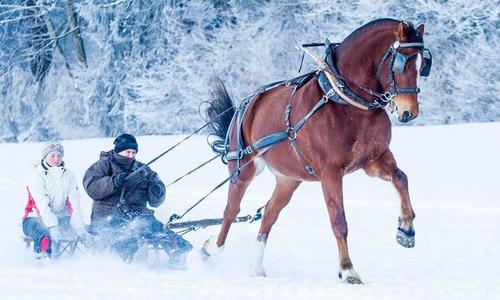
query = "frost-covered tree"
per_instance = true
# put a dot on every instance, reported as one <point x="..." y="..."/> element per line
<point x="72" y="69"/>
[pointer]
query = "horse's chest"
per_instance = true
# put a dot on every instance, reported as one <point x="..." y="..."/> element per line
<point x="362" y="151"/>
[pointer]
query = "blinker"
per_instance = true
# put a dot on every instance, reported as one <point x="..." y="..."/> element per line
<point x="428" y="63"/>
<point x="399" y="62"/>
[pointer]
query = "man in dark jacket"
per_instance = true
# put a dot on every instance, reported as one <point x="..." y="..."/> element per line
<point x="119" y="210"/>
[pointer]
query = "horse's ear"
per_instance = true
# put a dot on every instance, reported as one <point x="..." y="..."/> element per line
<point x="402" y="32"/>
<point x="420" y="29"/>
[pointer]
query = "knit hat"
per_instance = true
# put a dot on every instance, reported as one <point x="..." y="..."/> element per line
<point x="125" y="141"/>
<point x="52" y="147"/>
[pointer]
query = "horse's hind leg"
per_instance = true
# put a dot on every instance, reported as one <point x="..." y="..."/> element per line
<point x="332" y="190"/>
<point x="385" y="168"/>
<point x="281" y="196"/>
<point x="235" y="194"/>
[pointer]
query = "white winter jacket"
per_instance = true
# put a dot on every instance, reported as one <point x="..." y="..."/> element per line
<point x="51" y="188"/>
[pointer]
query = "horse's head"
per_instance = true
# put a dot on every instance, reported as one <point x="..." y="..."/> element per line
<point x="384" y="59"/>
<point x="404" y="61"/>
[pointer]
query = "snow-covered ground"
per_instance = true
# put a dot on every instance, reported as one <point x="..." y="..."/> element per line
<point x="454" y="187"/>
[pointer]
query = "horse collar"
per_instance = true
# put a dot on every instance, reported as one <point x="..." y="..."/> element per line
<point x="342" y="94"/>
<point x="397" y="64"/>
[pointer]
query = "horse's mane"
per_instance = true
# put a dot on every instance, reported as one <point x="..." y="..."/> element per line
<point x="413" y="34"/>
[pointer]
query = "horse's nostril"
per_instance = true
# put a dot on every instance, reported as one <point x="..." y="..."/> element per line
<point x="406" y="117"/>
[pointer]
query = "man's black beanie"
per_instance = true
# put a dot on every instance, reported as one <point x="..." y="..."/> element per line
<point x="125" y="141"/>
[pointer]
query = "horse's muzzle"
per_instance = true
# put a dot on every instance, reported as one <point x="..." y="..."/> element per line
<point x="405" y="117"/>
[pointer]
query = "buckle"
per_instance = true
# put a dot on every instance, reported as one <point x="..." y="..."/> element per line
<point x="248" y="150"/>
<point x="387" y="96"/>
<point x="310" y="170"/>
<point x="292" y="134"/>
<point x="330" y="94"/>
<point x="245" y="103"/>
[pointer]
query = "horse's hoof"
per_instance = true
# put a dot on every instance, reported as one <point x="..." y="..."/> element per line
<point x="204" y="255"/>
<point x="406" y="238"/>
<point x="350" y="277"/>
<point x="258" y="273"/>
<point x="353" y="280"/>
<point x="210" y="247"/>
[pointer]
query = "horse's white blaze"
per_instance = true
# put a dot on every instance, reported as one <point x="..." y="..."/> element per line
<point x="257" y="268"/>
<point x="418" y="64"/>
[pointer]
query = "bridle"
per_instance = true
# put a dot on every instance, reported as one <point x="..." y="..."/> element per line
<point x="397" y="65"/>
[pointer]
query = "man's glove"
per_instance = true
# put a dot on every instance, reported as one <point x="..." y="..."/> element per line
<point x="156" y="189"/>
<point x="119" y="179"/>
<point x="54" y="233"/>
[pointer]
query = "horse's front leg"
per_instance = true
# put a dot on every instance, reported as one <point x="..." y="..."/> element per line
<point x="385" y="168"/>
<point x="332" y="190"/>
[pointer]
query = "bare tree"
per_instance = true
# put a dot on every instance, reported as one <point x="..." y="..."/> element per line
<point x="74" y="29"/>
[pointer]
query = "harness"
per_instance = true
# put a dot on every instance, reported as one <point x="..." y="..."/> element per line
<point x="273" y="139"/>
<point x="334" y="89"/>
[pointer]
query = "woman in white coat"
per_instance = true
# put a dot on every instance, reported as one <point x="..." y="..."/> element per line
<point x="53" y="210"/>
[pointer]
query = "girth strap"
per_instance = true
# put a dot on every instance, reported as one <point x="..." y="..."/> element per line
<point x="292" y="134"/>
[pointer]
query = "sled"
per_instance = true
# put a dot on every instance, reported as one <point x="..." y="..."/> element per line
<point x="63" y="247"/>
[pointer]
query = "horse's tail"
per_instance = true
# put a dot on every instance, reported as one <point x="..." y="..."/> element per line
<point x="221" y="110"/>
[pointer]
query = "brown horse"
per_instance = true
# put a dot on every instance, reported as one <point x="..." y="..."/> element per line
<point x="379" y="63"/>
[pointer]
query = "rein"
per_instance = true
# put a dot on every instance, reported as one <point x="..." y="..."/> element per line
<point x="235" y="172"/>
<point x="121" y="205"/>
